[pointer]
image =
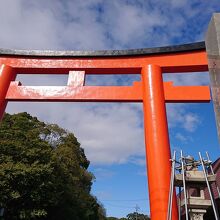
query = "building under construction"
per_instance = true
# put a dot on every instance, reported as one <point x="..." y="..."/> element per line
<point x="198" y="186"/>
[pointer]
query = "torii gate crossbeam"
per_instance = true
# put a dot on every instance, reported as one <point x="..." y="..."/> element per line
<point x="152" y="91"/>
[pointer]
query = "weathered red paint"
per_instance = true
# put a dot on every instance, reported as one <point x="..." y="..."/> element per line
<point x="152" y="91"/>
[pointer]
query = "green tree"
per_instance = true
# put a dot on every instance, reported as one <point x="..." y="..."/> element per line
<point x="137" y="216"/>
<point x="131" y="216"/>
<point x="43" y="172"/>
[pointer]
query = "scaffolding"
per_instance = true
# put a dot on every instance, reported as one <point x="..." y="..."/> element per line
<point x="192" y="177"/>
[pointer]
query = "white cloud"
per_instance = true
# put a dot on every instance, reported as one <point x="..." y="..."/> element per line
<point x="188" y="79"/>
<point x="180" y="116"/>
<point x="103" y="173"/>
<point x="112" y="80"/>
<point x="100" y="24"/>
<point x="181" y="137"/>
<point x="27" y="27"/>
<point x="109" y="133"/>
<point x="138" y="160"/>
<point x="191" y="121"/>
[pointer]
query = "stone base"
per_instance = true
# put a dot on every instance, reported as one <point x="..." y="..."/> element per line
<point x="196" y="214"/>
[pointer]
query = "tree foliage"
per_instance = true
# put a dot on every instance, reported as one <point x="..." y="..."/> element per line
<point x="136" y="215"/>
<point x="44" y="172"/>
<point x="132" y="216"/>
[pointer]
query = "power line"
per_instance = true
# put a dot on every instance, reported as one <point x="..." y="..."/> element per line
<point x="137" y="208"/>
<point x="124" y="200"/>
<point x="120" y="206"/>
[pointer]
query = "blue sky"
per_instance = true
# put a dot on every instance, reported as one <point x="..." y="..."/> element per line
<point x="112" y="134"/>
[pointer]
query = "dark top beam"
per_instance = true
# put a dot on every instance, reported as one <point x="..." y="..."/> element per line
<point x="106" y="53"/>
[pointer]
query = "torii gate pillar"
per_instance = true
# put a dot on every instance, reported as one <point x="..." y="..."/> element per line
<point x="6" y="76"/>
<point x="157" y="142"/>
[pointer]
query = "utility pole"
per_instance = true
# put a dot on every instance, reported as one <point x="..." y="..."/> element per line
<point x="136" y="211"/>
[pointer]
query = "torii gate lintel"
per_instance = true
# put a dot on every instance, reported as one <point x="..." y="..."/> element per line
<point x="77" y="91"/>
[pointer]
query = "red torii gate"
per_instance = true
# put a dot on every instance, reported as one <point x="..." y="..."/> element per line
<point x="152" y="91"/>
